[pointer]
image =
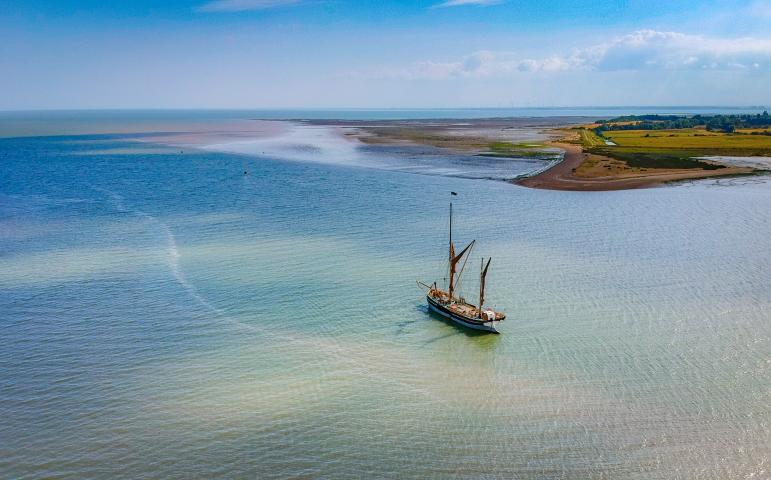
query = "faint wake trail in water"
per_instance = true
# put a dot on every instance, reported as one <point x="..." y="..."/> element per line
<point x="357" y="360"/>
<point x="172" y="250"/>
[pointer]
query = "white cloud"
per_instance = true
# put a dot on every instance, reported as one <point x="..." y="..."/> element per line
<point x="640" y="50"/>
<point x="460" y="3"/>
<point x="647" y="49"/>
<point x="477" y="64"/>
<point x="244" y="5"/>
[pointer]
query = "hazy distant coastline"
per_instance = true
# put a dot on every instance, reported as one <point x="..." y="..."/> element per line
<point x="538" y="138"/>
<point x="355" y="136"/>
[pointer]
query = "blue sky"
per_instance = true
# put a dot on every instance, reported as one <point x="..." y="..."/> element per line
<point x="344" y="53"/>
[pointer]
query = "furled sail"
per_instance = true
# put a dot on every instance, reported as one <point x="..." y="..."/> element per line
<point x="482" y="277"/>
<point x="458" y="257"/>
<point x="453" y="262"/>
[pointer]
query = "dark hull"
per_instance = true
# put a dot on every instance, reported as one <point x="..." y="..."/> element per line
<point x="468" y="322"/>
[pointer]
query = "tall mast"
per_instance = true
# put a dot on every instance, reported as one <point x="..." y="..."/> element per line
<point x="452" y="254"/>
<point x="454" y="259"/>
<point x="482" y="274"/>
<point x="481" y="286"/>
<point x="451" y="230"/>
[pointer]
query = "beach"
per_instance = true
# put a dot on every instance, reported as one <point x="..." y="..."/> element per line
<point x="531" y="138"/>
<point x="562" y="175"/>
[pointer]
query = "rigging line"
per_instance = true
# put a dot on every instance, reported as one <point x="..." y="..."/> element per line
<point x="464" y="265"/>
<point x="446" y="270"/>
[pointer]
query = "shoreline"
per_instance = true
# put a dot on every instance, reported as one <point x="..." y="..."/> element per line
<point x="476" y="137"/>
<point x="576" y="170"/>
<point x="561" y="175"/>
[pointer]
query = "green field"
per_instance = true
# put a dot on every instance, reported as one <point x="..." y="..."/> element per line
<point x="590" y="139"/>
<point x="688" y="139"/>
<point x="673" y="148"/>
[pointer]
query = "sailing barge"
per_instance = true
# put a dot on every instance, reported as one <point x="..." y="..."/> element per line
<point x="455" y="308"/>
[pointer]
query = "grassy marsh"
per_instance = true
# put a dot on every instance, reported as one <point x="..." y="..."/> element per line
<point x="673" y="148"/>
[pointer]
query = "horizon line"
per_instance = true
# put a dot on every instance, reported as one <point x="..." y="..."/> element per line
<point x="246" y="109"/>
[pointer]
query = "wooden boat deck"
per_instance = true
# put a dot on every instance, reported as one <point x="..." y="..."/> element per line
<point x="459" y="306"/>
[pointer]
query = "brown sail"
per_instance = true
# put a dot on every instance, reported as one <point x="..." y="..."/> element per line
<point x="482" y="277"/>
<point x="454" y="262"/>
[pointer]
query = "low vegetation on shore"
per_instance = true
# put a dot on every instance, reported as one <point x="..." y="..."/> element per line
<point x="484" y="138"/>
<point x="516" y="150"/>
<point x="620" y="153"/>
<point x="710" y="123"/>
<point x="667" y="142"/>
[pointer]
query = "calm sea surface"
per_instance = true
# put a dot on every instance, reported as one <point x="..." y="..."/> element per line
<point x="26" y="123"/>
<point x="163" y="315"/>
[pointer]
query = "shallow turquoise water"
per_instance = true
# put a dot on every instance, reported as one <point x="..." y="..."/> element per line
<point x="165" y="316"/>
